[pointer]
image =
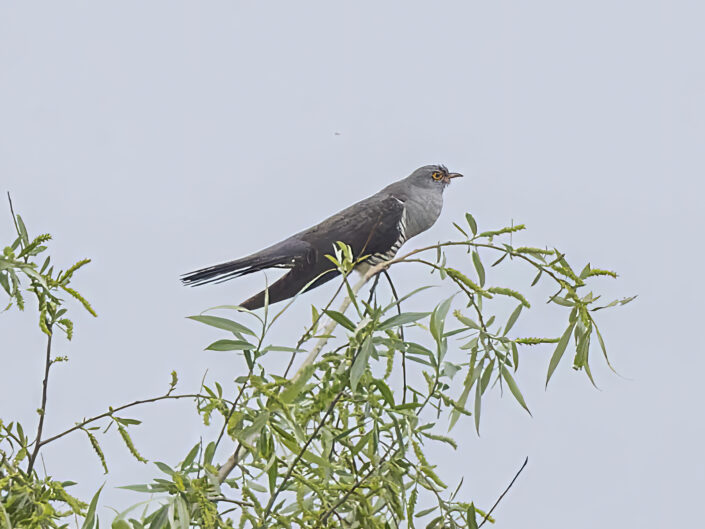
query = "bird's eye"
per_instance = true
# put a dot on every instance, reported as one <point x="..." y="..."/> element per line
<point x="437" y="175"/>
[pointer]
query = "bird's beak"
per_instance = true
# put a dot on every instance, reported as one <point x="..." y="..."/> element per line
<point x="452" y="175"/>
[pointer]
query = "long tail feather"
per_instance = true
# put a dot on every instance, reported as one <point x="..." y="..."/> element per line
<point x="281" y="255"/>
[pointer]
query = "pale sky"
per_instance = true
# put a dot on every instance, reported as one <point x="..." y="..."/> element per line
<point x="158" y="137"/>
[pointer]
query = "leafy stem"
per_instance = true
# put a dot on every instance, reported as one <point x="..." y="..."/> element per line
<point x="42" y="410"/>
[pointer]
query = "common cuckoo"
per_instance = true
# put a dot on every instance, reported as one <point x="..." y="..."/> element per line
<point x="375" y="227"/>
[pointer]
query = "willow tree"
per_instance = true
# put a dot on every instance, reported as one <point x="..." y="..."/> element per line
<point x="343" y="434"/>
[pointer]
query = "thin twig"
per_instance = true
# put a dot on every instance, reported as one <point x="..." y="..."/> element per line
<point x="43" y="409"/>
<point x="14" y="220"/>
<point x="232" y="410"/>
<point x="236" y="502"/>
<point x="401" y="333"/>
<point x="487" y="516"/>
<point x="83" y="423"/>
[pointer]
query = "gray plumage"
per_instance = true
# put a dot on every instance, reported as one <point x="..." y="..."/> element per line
<point x="375" y="227"/>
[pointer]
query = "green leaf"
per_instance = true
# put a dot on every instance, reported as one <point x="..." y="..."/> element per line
<point x="209" y="453"/>
<point x="140" y="488"/>
<point x="230" y="345"/>
<point x="384" y="390"/>
<point x="255" y="428"/>
<point x="191" y="456"/>
<point x="401" y="319"/>
<point x="164" y="468"/>
<point x="272" y="475"/>
<point x="461" y="230"/>
<point x="91" y="520"/>
<point x="514" y="388"/>
<point x="438" y="319"/>
<point x="223" y="323"/>
<point x="360" y="362"/>
<point x="604" y="349"/>
<point x="472" y="517"/>
<point x="183" y="512"/>
<point x="22" y="230"/>
<point x="616" y="302"/>
<point x="512" y="319"/>
<point x="408" y="406"/>
<point x="478" y="266"/>
<point x="306" y="455"/>
<point x="340" y="318"/>
<point x="404" y="298"/>
<point x="559" y="300"/>
<point x="486" y="375"/>
<point x="123" y="420"/>
<point x="471" y="223"/>
<point x="281" y="348"/>
<point x="423" y="513"/>
<point x="478" y="407"/>
<point x="558" y="353"/>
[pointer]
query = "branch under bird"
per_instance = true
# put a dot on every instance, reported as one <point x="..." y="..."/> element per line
<point x="375" y="227"/>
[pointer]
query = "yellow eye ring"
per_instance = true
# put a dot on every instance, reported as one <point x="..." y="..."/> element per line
<point x="437" y="175"/>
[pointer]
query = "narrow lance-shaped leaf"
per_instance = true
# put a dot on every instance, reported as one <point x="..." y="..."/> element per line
<point x="471" y="517"/>
<point x="478" y="407"/>
<point x="385" y="391"/>
<point x="514" y="388"/>
<point x="604" y="349"/>
<point x="512" y="319"/>
<point x="22" y="230"/>
<point x="438" y="319"/>
<point x="558" y="353"/>
<point x="478" y="267"/>
<point x="341" y="319"/>
<point x="471" y="223"/>
<point x="401" y="319"/>
<point x="360" y="362"/>
<point x="230" y="345"/>
<point x="461" y="230"/>
<point x="223" y="323"/>
<point x="90" y="521"/>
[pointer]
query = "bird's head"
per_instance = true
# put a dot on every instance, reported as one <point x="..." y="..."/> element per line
<point x="432" y="177"/>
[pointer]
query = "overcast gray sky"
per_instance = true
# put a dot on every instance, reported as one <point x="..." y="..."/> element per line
<point x="157" y="137"/>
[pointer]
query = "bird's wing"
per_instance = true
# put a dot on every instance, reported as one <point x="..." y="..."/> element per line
<point x="372" y="227"/>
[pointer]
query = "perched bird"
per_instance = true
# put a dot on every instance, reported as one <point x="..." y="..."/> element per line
<point x="375" y="227"/>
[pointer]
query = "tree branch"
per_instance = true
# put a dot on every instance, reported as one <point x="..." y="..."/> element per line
<point x="42" y="411"/>
<point x="487" y="516"/>
<point x="83" y="423"/>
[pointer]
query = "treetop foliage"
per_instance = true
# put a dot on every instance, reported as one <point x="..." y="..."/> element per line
<point x="345" y="435"/>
